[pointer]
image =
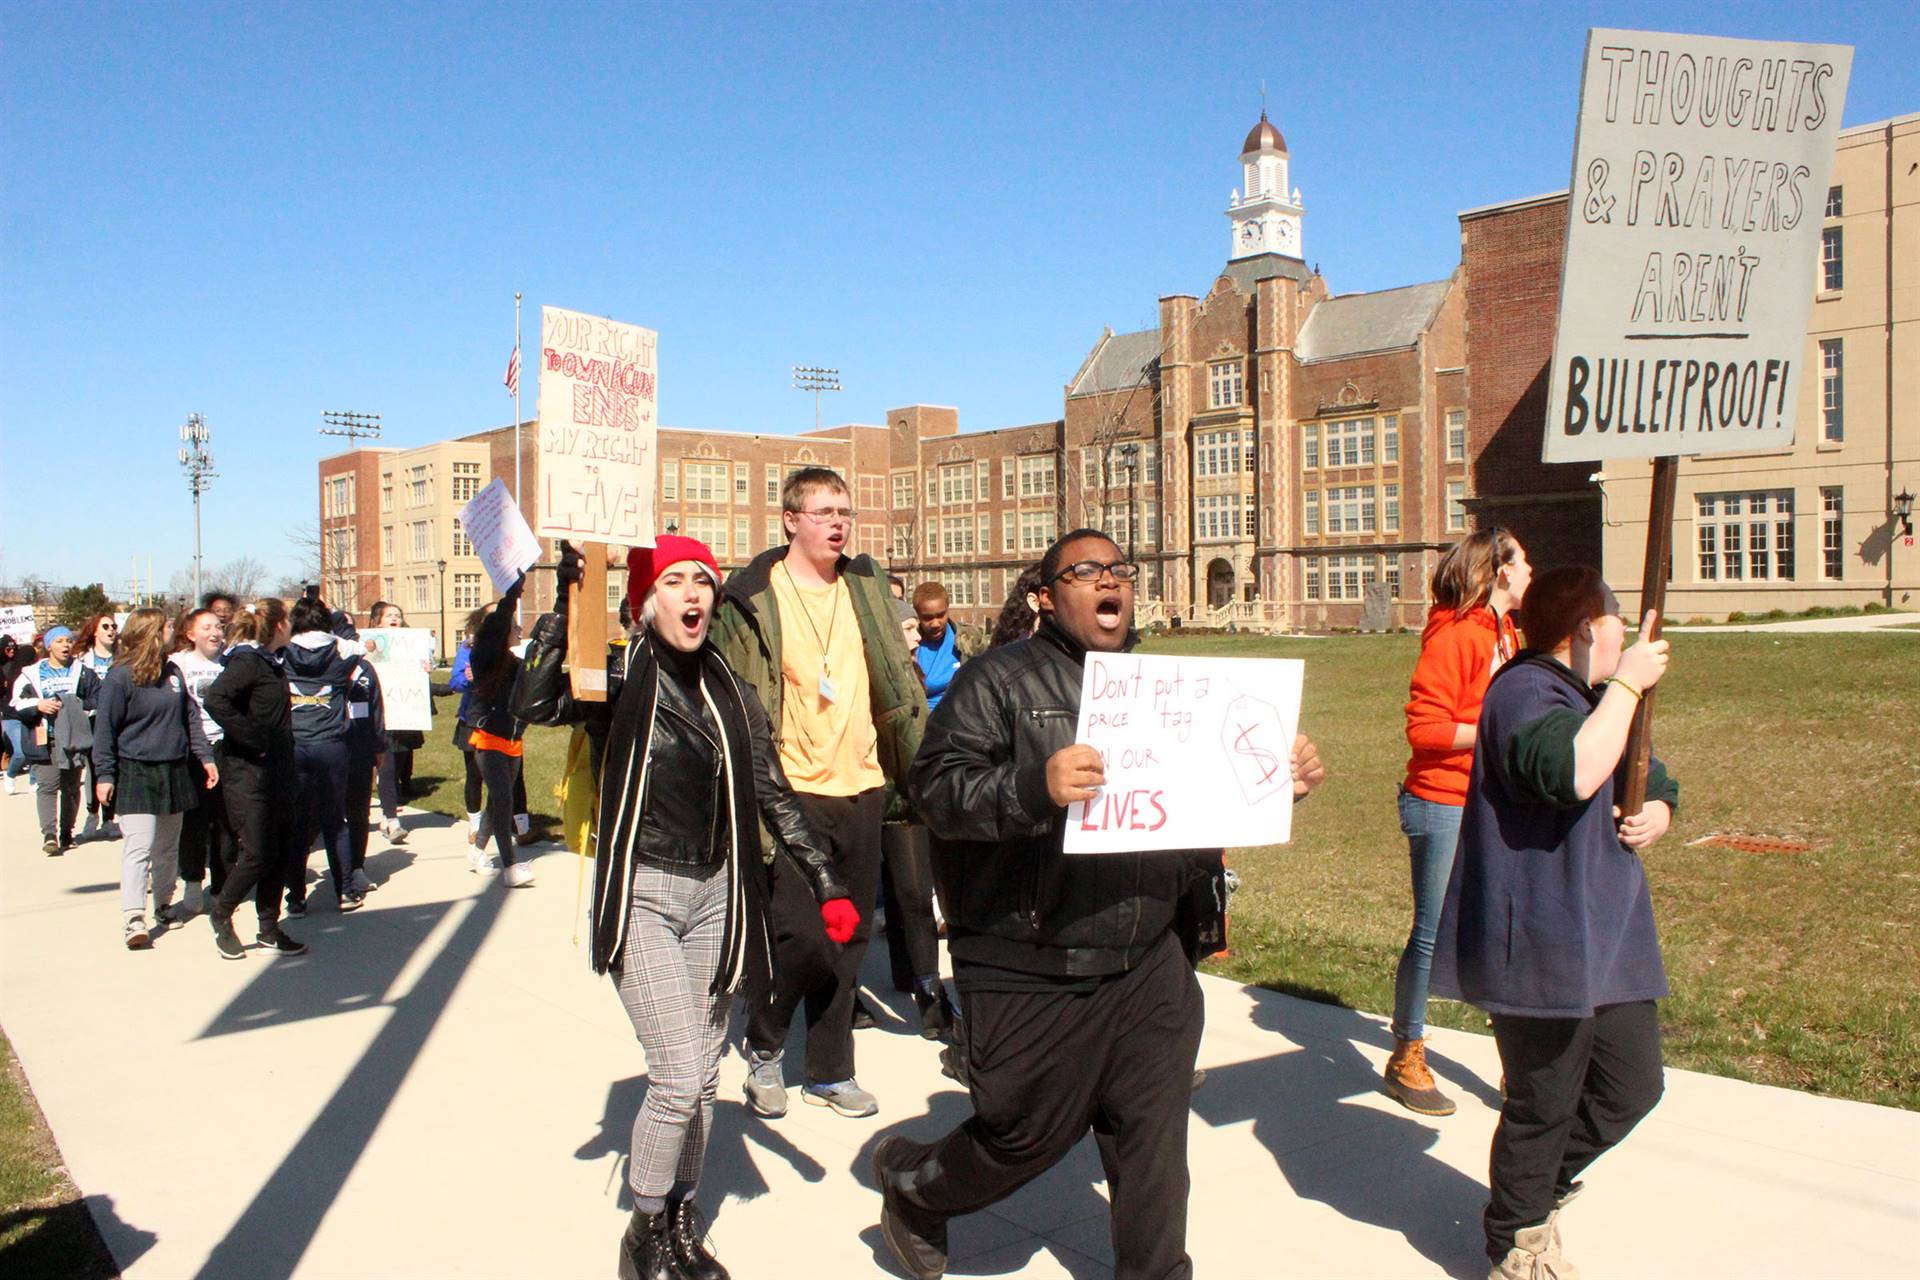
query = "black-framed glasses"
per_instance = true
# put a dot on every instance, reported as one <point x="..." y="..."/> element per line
<point x="1090" y="571"/>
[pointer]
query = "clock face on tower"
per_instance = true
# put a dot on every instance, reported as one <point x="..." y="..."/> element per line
<point x="1283" y="234"/>
<point x="1250" y="234"/>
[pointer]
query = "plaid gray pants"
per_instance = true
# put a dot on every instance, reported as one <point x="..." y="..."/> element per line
<point x="672" y="953"/>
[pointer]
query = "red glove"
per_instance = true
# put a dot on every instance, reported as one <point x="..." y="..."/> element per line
<point x="841" y="918"/>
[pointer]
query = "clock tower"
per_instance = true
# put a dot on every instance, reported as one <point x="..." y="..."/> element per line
<point x="1266" y="219"/>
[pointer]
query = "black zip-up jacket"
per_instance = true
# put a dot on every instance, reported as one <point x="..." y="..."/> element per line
<point x="665" y="796"/>
<point x="253" y="708"/>
<point x="489" y="702"/>
<point x="1012" y="899"/>
<point x="319" y="675"/>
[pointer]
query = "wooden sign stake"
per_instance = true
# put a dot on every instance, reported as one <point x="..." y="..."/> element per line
<point x="1653" y="595"/>
<point x="587" y="626"/>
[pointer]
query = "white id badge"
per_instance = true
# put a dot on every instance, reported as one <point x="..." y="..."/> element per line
<point x="827" y="690"/>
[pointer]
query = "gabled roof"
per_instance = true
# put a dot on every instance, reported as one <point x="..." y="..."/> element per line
<point x="1357" y="323"/>
<point x="1118" y="362"/>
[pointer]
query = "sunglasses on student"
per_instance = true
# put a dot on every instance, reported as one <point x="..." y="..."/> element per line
<point x="1090" y="571"/>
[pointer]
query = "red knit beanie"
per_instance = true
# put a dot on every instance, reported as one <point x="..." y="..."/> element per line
<point x="645" y="563"/>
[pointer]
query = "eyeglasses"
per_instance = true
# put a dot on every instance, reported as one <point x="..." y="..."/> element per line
<point x="1090" y="571"/>
<point x="825" y="514"/>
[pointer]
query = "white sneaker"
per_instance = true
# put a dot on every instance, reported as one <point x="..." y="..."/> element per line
<point x="479" y="861"/>
<point x="519" y="875"/>
<point x="393" y="831"/>
<point x="10" y="790"/>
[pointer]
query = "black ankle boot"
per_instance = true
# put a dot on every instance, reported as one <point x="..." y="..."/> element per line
<point x="645" y="1253"/>
<point x="937" y="1014"/>
<point x="686" y="1231"/>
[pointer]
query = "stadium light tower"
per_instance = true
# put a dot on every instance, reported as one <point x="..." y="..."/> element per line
<point x="197" y="461"/>
<point x="814" y="379"/>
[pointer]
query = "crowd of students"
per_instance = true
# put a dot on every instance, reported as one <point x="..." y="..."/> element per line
<point x="784" y="748"/>
<point x="223" y="745"/>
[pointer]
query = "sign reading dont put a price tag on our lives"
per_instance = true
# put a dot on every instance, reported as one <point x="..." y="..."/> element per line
<point x="1700" y="177"/>
<point x="599" y="425"/>
<point x="1198" y="752"/>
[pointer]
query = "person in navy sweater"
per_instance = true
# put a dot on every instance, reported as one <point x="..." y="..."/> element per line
<point x="1548" y="924"/>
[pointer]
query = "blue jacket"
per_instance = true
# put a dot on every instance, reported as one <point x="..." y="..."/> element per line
<point x="1547" y="914"/>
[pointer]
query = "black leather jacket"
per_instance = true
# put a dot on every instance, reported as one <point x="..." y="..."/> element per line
<point x="1012" y="899"/>
<point x="682" y="815"/>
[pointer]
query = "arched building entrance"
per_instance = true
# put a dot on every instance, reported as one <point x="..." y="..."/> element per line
<point x="1219" y="583"/>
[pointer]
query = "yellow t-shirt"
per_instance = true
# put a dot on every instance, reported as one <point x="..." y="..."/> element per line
<point x="828" y="745"/>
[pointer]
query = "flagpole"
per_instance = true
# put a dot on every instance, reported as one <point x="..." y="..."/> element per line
<point x="516" y="424"/>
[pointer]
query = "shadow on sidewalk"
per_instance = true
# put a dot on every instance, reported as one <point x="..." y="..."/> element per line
<point x="275" y="1230"/>
<point x="1367" y="1164"/>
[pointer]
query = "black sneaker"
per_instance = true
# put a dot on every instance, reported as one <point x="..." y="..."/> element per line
<point x="351" y="901"/>
<point x="919" y="1246"/>
<point x="280" y="942"/>
<point x="863" y="1019"/>
<point x="295" y="910"/>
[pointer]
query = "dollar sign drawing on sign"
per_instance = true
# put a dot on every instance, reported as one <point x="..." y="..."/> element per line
<point x="1264" y="760"/>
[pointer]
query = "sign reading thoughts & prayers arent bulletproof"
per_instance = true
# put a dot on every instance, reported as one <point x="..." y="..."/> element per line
<point x="1699" y="184"/>
<point x="1198" y="752"/>
<point x="599" y="399"/>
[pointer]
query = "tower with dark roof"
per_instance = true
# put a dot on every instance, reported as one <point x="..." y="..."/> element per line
<point x="1266" y="218"/>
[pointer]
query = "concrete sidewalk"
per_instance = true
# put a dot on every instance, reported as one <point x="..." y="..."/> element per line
<point x="442" y="1089"/>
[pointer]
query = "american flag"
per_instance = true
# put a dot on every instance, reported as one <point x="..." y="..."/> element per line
<point x="512" y="379"/>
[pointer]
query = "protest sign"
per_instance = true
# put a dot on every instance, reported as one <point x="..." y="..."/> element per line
<point x="402" y="658"/>
<point x="598" y="423"/>
<point x="1700" y="178"/>
<point x="16" y="620"/>
<point x="499" y="533"/>
<point x="1198" y="752"/>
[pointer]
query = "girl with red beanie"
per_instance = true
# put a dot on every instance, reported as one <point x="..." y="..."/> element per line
<point x="687" y="777"/>
<point x="1470" y="633"/>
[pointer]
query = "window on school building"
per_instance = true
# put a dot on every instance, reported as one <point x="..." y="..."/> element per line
<point x="1390" y="439"/>
<point x="1456" y="505"/>
<point x="902" y="542"/>
<point x="1352" y="509"/>
<point x="422" y="593"/>
<point x="903" y="491"/>
<point x="1832" y="552"/>
<point x="386" y="589"/>
<point x="419" y="489"/>
<point x="1150" y="526"/>
<point x="1117" y="522"/>
<point x="466" y="591"/>
<point x="1456" y="435"/>
<point x="1009" y="527"/>
<point x="956" y="483"/>
<point x="1220" y="515"/>
<point x="1006" y="477"/>
<point x="1833" y="417"/>
<point x="772" y="477"/>
<point x="339" y="497"/>
<point x="1392" y="576"/>
<point x="462" y="544"/>
<point x="776" y="531"/>
<point x="711" y="530"/>
<point x="1216" y="453"/>
<point x="670" y="480"/>
<point x="742" y="482"/>
<point x="704" y="482"/>
<point x="1834" y="205"/>
<point x="1038" y="529"/>
<point x="1350" y="444"/>
<point x="419" y="534"/>
<point x="1310" y="577"/>
<point x="1831" y="271"/>
<point x="1745" y="536"/>
<point x="1038" y="476"/>
<point x="386" y="492"/>
<point x="1348" y="576"/>
<point x="386" y="546"/>
<point x="956" y="535"/>
<point x="742" y="537"/>
<point x="1312" y="508"/>
<point x="1226" y="384"/>
<point x="1390" y="510"/>
<point x="466" y="481"/>
<point x="1310" y="444"/>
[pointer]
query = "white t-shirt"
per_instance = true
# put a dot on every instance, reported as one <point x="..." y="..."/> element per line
<point x="198" y="673"/>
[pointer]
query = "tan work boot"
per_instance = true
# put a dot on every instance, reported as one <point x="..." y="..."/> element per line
<point x="1410" y="1083"/>
<point x="1535" y="1255"/>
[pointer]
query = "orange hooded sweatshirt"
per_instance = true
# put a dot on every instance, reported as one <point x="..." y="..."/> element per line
<point x="1458" y="656"/>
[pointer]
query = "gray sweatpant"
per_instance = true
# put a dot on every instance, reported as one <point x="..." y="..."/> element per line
<point x="674" y="928"/>
<point x="151" y="852"/>
<point x="57" y="796"/>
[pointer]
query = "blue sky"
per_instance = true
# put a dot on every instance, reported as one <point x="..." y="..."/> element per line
<point x="261" y="212"/>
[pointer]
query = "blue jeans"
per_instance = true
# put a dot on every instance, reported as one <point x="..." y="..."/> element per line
<point x="16" y="747"/>
<point x="1432" y="830"/>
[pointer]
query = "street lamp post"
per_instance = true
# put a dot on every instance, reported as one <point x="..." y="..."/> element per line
<point x="442" y="564"/>
<point x="1130" y="458"/>
<point x="197" y="462"/>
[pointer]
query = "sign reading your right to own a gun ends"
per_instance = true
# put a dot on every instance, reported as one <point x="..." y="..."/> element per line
<point x="1699" y="186"/>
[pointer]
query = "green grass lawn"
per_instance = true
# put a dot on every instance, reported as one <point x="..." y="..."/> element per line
<point x="45" y="1231"/>
<point x="1791" y="969"/>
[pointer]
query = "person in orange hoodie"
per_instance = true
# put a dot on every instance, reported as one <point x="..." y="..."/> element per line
<point x="1470" y="633"/>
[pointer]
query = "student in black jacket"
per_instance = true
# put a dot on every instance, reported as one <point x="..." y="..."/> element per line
<point x="495" y="736"/>
<point x="320" y="670"/>
<point x="251" y="703"/>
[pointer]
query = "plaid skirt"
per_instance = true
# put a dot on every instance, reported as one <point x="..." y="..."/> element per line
<point x="147" y="787"/>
